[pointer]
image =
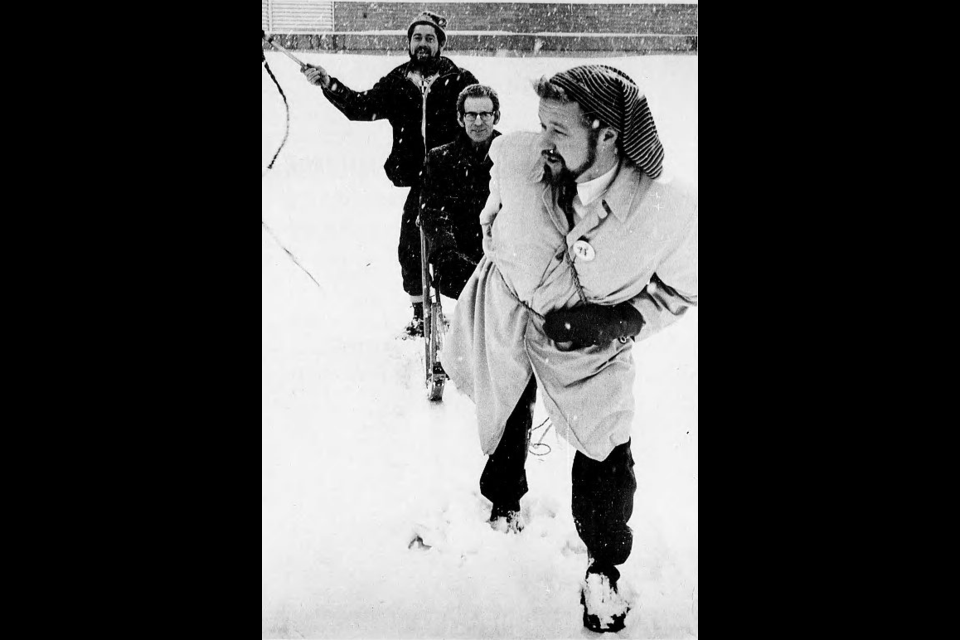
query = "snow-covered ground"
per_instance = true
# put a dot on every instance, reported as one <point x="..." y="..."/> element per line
<point x="355" y="460"/>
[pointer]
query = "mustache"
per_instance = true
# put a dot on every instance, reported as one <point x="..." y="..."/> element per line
<point x="552" y="155"/>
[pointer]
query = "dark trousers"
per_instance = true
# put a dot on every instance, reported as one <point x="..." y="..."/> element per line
<point x="603" y="492"/>
<point x="452" y="275"/>
<point x="409" y="250"/>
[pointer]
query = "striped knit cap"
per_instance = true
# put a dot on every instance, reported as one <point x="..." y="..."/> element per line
<point x="611" y="95"/>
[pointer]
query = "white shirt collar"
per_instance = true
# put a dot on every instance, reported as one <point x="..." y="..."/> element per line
<point x="590" y="191"/>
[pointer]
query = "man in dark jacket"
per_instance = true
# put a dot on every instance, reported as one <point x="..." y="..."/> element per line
<point x="419" y="99"/>
<point x="456" y="184"/>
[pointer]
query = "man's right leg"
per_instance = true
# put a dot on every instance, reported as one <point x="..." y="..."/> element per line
<point x="408" y="253"/>
<point x="504" y="479"/>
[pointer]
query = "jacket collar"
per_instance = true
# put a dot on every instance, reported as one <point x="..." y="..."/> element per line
<point x="627" y="188"/>
<point x="620" y="195"/>
<point x="464" y="145"/>
<point x="445" y="67"/>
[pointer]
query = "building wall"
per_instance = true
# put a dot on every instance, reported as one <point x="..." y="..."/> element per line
<point x="524" y="17"/>
<point x="513" y="28"/>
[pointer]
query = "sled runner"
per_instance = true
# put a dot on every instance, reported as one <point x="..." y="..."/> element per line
<point x="434" y="327"/>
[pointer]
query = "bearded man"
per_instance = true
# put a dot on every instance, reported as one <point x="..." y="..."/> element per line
<point x="588" y="247"/>
<point x="419" y="99"/>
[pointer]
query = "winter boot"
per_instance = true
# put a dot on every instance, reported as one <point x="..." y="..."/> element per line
<point x="415" y="328"/>
<point x="604" y="608"/>
<point x="506" y="518"/>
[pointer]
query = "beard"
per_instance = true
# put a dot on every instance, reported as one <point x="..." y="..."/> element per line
<point x="424" y="64"/>
<point x="565" y="174"/>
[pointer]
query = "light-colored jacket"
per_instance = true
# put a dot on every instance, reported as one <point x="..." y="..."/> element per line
<point x="641" y="246"/>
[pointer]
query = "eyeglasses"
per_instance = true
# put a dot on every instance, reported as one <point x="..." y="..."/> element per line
<point x="486" y="116"/>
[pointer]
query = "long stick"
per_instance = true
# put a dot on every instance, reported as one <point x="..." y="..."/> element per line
<point x="286" y="131"/>
<point x="273" y="44"/>
<point x="290" y="255"/>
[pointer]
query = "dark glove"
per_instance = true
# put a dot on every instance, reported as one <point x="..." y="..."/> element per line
<point x="593" y="324"/>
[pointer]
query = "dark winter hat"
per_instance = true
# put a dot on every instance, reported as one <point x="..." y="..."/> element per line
<point x="610" y="94"/>
<point x="430" y="19"/>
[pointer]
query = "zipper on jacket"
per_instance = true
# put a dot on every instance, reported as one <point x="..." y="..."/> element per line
<point x="424" y="84"/>
<point x="425" y="91"/>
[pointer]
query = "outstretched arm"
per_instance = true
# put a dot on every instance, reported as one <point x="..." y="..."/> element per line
<point x="367" y="105"/>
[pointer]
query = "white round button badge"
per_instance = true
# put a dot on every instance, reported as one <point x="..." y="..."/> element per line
<point x="584" y="251"/>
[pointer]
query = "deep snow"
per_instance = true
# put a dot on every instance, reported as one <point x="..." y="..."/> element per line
<point x="355" y="461"/>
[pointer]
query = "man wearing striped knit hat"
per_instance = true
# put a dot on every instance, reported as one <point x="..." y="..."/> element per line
<point x="588" y="247"/>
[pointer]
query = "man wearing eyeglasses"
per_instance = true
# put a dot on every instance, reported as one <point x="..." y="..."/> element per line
<point x="419" y="99"/>
<point x="456" y="184"/>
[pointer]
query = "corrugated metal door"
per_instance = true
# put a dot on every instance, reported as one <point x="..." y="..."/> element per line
<point x="296" y="16"/>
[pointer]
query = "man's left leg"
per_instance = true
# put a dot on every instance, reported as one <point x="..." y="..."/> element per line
<point x="603" y="496"/>
<point x="504" y="479"/>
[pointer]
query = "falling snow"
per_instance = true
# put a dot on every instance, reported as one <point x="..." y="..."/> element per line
<point x="356" y="465"/>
